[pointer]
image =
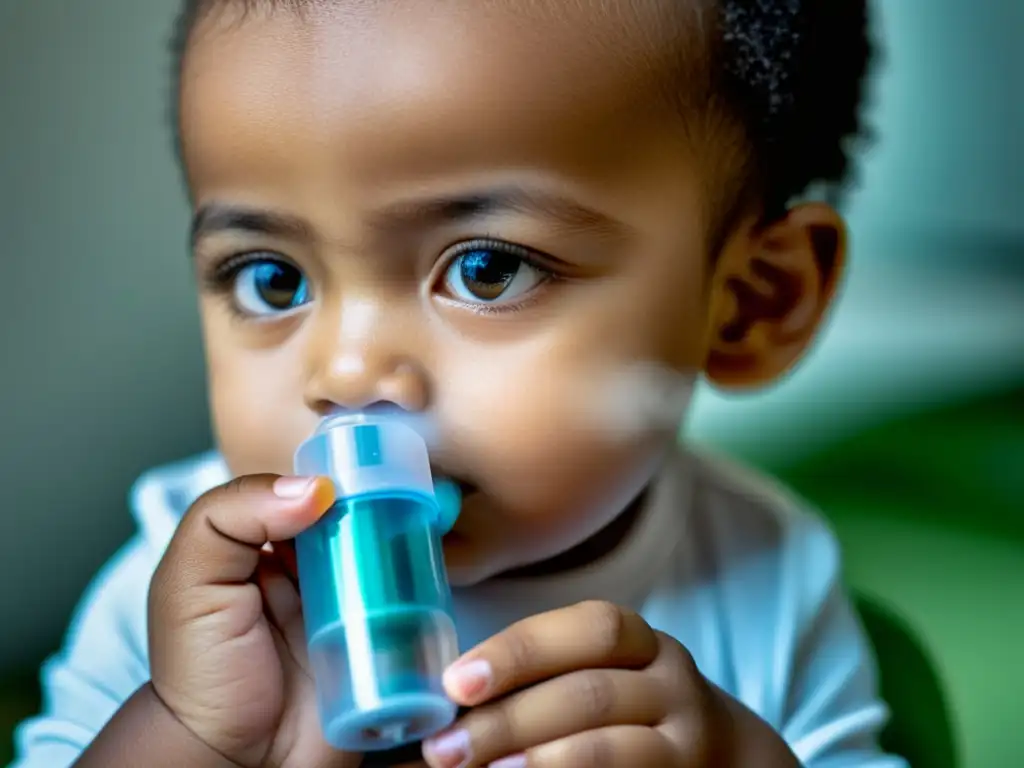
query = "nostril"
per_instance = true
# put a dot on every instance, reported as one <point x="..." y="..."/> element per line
<point x="328" y="408"/>
<point x="408" y="386"/>
<point x="424" y="423"/>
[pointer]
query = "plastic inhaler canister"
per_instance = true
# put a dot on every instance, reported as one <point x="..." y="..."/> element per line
<point x="376" y="600"/>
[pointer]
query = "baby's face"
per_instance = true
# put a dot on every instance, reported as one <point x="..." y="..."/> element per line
<point x="480" y="210"/>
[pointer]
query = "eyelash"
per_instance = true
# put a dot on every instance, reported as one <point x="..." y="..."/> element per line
<point x="219" y="278"/>
<point x="525" y="255"/>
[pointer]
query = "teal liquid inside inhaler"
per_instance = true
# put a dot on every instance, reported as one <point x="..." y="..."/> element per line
<point x="376" y="600"/>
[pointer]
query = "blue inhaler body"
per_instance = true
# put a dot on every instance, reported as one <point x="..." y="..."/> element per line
<point x="376" y="600"/>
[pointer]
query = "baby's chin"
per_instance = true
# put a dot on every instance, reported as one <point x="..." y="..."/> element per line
<point x="476" y="551"/>
<point x="472" y="556"/>
<point x="469" y="554"/>
<point x="466" y="565"/>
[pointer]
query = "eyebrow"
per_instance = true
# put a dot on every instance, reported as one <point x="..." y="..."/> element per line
<point x="214" y="218"/>
<point x="559" y="209"/>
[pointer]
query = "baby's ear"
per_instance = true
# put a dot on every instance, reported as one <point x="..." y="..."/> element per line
<point x="771" y="289"/>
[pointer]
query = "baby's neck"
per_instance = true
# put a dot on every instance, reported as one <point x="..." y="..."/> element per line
<point x="588" y="551"/>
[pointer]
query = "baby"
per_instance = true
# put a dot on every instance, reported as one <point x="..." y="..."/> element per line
<point x="520" y="218"/>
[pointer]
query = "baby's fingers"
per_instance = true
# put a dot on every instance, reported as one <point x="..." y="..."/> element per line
<point x="218" y="542"/>
<point x="620" y="746"/>
<point x="589" y="635"/>
<point x="575" y="703"/>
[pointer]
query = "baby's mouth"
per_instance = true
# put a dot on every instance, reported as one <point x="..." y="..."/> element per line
<point x="450" y="506"/>
<point x="465" y="487"/>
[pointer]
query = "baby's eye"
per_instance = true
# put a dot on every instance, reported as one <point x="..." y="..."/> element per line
<point x="267" y="287"/>
<point x="486" y="274"/>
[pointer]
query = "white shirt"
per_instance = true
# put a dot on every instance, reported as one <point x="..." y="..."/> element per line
<point x="721" y="559"/>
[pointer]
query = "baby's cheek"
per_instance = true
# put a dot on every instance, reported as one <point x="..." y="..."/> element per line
<point x="535" y="438"/>
<point x="252" y="425"/>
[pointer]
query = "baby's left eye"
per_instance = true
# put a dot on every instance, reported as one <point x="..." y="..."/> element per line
<point x="268" y="287"/>
<point x="486" y="274"/>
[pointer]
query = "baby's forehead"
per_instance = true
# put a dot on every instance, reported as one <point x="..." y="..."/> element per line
<point x="440" y="81"/>
<point x="640" y="36"/>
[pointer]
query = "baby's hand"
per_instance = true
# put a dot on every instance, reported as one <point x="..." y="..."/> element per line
<point x="227" y="647"/>
<point x="593" y="686"/>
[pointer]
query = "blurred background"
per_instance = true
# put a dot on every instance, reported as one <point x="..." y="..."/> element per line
<point x="906" y="426"/>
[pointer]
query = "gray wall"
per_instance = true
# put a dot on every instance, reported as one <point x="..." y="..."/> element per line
<point x="99" y="349"/>
<point x="951" y="115"/>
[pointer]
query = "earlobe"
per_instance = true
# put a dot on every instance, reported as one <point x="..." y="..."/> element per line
<point x="773" y="286"/>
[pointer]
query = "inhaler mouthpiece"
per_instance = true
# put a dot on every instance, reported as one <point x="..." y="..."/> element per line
<point x="376" y="598"/>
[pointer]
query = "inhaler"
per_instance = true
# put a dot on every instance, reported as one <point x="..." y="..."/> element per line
<point x="376" y="600"/>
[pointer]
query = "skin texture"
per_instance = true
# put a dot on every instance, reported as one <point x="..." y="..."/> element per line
<point x="344" y="124"/>
<point x="368" y="132"/>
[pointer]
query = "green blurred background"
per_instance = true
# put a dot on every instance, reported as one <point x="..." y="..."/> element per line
<point x="906" y="425"/>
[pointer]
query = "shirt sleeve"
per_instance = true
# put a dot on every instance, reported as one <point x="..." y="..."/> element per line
<point x="102" y="663"/>
<point x="833" y="714"/>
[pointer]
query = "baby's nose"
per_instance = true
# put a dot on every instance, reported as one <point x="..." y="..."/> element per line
<point x="352" y="383"/>
<point x="366" y="356"/>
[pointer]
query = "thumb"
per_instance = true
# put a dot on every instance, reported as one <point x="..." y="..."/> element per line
<point x="219" y="539"/>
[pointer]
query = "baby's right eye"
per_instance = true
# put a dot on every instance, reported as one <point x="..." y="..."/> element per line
<point x="264" y="286"/>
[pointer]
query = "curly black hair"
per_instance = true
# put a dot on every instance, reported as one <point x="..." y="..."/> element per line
<point x="791" y="73"/>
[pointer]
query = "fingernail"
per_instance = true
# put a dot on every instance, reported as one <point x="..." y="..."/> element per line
<point x="451" y="749"/>
<point x="471" y="679"/>
<point x="516" y="761"/>
<point x="293" y="487"/>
